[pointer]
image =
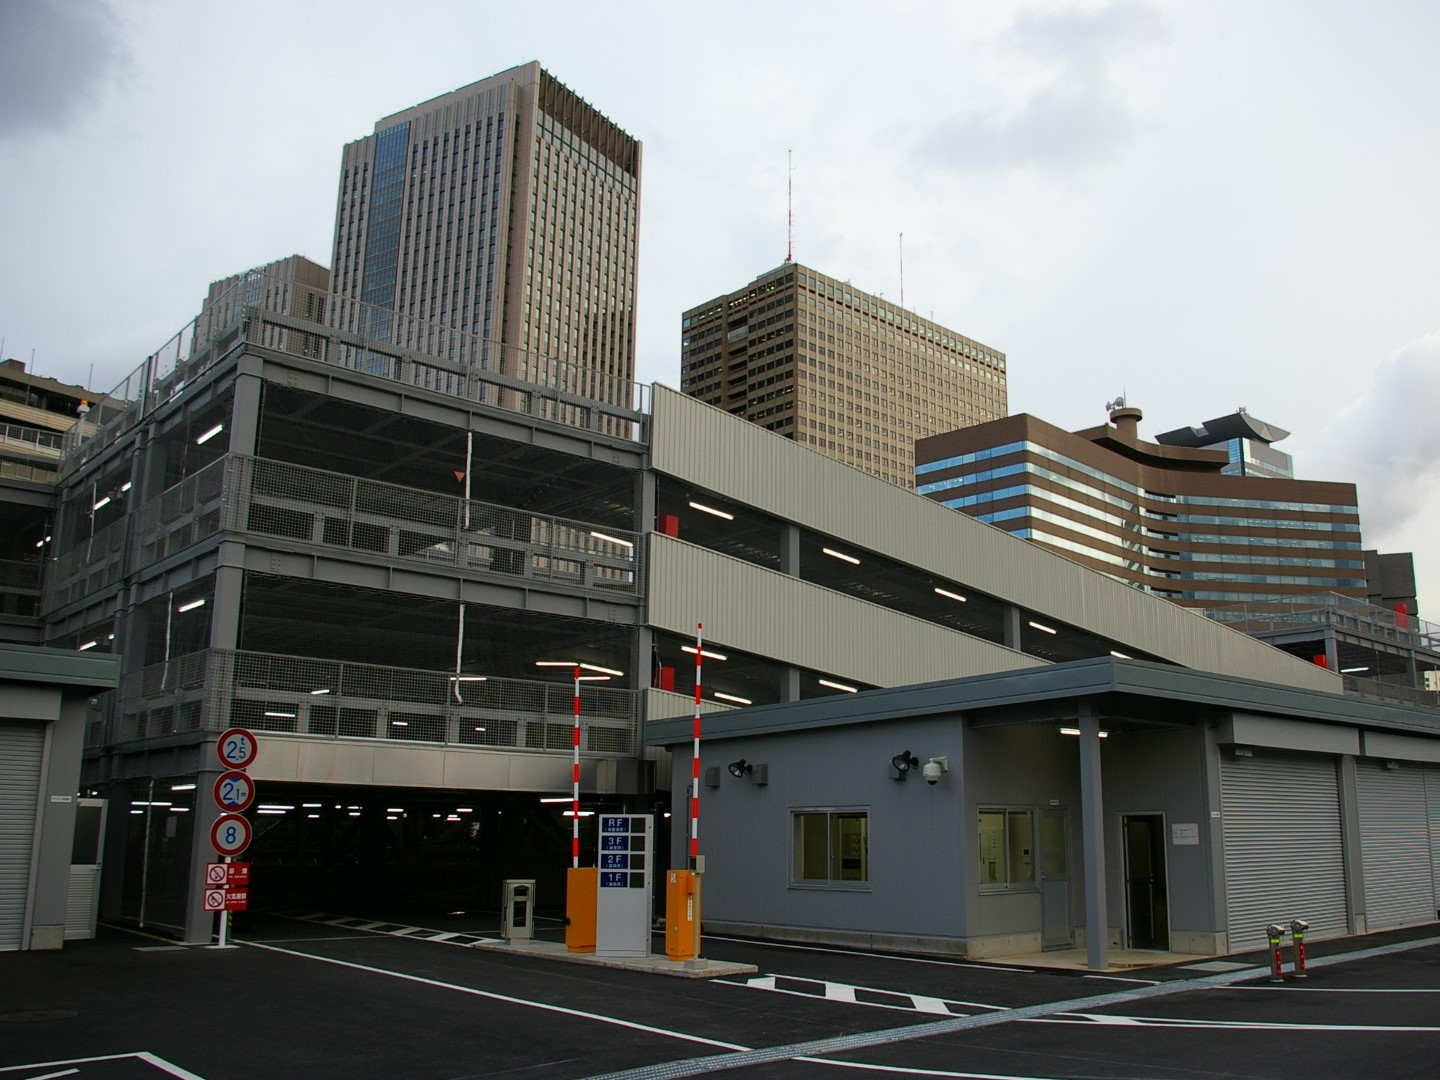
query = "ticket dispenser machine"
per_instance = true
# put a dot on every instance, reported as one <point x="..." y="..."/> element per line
<point x="682" y="914"/>
<point x="580" y="908"/>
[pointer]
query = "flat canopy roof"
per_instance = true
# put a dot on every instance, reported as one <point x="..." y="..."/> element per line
<point x="58" y="667"/>
<point x="1143" y="691"/>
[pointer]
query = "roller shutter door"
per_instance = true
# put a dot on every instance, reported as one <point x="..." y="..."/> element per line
<point x="22" y="748"/>
<point x="1432" y="800"/>
<point x="1394" y="845"/>
<point x="1283" y="853"/>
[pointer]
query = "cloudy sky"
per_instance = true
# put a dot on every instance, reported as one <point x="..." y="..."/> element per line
<point x="1200" y="205"/>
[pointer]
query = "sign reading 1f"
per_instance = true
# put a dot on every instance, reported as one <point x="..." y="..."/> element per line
<point x="237" y="748"/>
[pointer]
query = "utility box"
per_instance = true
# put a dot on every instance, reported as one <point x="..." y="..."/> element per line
<point x="517" y="910"/>
<point x="581" y="884"/>
<point x="682" y="914"/>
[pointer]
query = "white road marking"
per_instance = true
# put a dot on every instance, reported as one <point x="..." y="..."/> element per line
<point x="1107" y="1020"/>
<point x="144" y="1055"/>
<point x="845" y="994"/>
<point x="505" y="998"/>
<point x="906" y="1070"/>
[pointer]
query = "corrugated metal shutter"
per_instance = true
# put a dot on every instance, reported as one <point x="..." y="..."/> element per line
<point x="1394" y="845"/>
<point x="1432" y="800"/>
<point x="1283" y="853"/>
<point x="22" y="748"/>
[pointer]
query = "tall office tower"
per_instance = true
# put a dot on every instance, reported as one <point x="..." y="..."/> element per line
<point x="839" y="370"/>
<point x="496" y="225"/>
<point x="1165" y="518"/>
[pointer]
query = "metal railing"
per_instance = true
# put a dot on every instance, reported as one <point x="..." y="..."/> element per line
<point x="1385" y="690"/>
<point x="216" y="689"/>
<point x="1343" y="613"/>
<point x="324" y="326"/>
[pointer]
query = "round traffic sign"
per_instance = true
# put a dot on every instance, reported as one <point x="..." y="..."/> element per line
<point x="234" y="791"/>
<point x="230" y="835"/>
<point x="237" y="748"/>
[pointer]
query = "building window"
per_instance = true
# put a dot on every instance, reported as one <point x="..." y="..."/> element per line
<point x="831" y="846"/>
<point x="1007" y="848"/>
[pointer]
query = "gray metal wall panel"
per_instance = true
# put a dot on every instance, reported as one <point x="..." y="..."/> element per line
<point x="744" y="462"/>
<point x="22" y="749"/>
<point x="1395" y="846"/>
<point x="761" y="611"/>
<point x="1284" y="858"/>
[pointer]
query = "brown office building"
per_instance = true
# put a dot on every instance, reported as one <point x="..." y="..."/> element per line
<point x="836" y="369"/>
<point x="1164" y="518"/>
<point x="507" y="213"/>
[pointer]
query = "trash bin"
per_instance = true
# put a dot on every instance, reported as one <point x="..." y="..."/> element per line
<point x="517" y="910"/>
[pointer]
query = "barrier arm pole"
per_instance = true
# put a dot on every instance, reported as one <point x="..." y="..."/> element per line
<point x="575" y="780"/>
<point x="695" y="863"/>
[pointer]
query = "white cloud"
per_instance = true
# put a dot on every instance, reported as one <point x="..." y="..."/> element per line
<point x="56" y="57"/>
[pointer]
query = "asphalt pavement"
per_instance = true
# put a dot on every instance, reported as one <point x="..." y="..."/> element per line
<point x="309" y="994"/>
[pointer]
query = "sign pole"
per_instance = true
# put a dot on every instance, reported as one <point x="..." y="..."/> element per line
<point x="224" y="914"/>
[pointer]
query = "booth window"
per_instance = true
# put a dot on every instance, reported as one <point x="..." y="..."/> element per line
<point x="831" y="846"/>
<point x="1007" y="848"/>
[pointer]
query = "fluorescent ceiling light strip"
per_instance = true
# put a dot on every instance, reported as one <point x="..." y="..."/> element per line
<point x="192" y="605"/>
<point x="1120" y="655"/>
<point x="841" y="556"/>
<point x="210" y="434"/>
<point x="1352" y="670"/>
<point x="951" y="595"/>
<point x="732" y="697"/>
<point x="612" y="539"/>
<point x="601" y="670"/>
<point x="182" y="787"/>
<point x="839" y="686"/>
<point x="89" y="645"/>
<point x="317" y="693"/>
<point x="468" y="678"/>
<point x="1076" y="731"/>
<point x="704" y="652"/>
<point x="711" y="510"/>
<point x="281" y="715"/>
<point x="557" y="799"/>
<point x="102" y="503"/>
<point x="126" y="486"/>
<point x="1043" y="628"/>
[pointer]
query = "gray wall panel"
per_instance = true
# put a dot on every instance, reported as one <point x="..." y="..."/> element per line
<point x="768" y="613"/>
<point x="744" y="462"/>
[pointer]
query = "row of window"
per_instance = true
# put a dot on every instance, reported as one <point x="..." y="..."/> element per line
<point x="832" y="847"/>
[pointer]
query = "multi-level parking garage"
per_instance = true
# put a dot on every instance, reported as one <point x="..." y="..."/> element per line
<point x="388" y="564"/>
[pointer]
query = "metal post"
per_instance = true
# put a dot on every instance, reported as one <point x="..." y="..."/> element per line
<point x="1297" y="932"/>
<point x="1276" y="933"/>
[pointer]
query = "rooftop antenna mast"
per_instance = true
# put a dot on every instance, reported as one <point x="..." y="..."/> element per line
<point x="790" y="208"/>
<point x="902" y="269"/>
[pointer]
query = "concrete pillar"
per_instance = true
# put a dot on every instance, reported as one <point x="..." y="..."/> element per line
<point x="790" y="549"/>
<point x="790" y="684"/>
<point x="1350" y="845"/>
<point x="1092" y="830"/>
<point x="1014" y="619"/>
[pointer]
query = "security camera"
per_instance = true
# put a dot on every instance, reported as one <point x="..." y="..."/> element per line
<point x="934" y="768"/>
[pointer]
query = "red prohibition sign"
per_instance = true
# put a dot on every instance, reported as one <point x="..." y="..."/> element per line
<point x="230" y="835"/>
<point x="234" y="792"/>
<point x="237" y="748"/>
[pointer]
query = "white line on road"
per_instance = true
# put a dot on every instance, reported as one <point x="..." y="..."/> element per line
<point x="506" y="998"/>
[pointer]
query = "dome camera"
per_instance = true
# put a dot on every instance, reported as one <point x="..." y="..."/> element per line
<point x="934" y="769"/>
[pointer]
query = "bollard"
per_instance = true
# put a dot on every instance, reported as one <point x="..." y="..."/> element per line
<point x="1276" y="933"/>
<point x="1297" y="931"/>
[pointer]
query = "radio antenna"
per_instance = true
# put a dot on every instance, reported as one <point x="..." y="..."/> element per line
<point x="790" y="207"/>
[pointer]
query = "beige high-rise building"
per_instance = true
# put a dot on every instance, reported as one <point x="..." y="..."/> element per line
<point x="837" y="369"/>
<point x="506" y="211"/>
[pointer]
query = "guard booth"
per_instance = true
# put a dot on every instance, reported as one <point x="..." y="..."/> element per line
<point x="517" y="910"/>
